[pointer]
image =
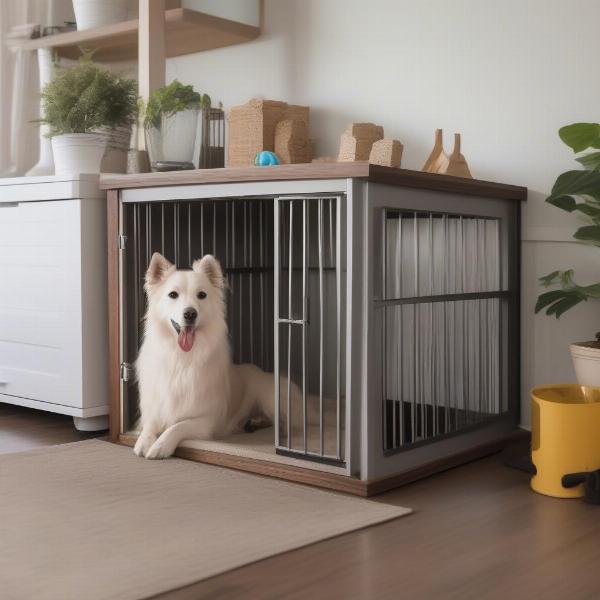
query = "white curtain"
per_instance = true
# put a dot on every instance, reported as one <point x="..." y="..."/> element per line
<point x="19" y="83"/>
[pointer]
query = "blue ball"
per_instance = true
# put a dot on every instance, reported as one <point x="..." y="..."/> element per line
<point x="266" y="158"/>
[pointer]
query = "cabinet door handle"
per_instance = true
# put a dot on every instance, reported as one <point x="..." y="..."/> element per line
<point x="4" y="379"/>
<point x="9" y="204"/>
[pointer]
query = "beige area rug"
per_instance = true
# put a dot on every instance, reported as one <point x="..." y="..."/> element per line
<point x="90" y="521"/>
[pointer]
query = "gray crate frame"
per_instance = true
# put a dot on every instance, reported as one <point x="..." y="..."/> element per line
<point x="365" y="456"/>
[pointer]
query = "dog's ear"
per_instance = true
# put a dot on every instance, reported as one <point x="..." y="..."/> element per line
<point x="210" y="266"/>
<point x="158" y="269"/>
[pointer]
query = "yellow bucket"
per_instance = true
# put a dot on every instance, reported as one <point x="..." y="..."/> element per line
<point x="565" y="436"/>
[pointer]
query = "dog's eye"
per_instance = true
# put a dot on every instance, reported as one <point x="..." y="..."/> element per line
<point x="201" y="295"/>
<point x="173" y="295"/>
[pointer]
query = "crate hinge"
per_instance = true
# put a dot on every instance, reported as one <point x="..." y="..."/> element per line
<point x="122" y="241"/>
<point x="126" y="371"/>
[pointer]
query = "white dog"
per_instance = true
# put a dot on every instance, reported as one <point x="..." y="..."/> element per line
<point x="188" y="385"/>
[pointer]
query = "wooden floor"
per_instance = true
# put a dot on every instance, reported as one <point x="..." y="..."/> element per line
<point x="478" y="532"/>
<point x="24" y="429"/>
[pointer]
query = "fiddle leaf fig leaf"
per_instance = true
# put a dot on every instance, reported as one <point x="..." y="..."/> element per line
<point x="590" y="161"/>
<point x="589" y="210"/>
<point x="576" y="183"/>
<point x="593" y="291"/>
<point x="567" y="203"/>
<point x="550" y="279"/>
<point x="589" y="233"/>
<point x="563" y="305"/>
<point x="580" y="136"/>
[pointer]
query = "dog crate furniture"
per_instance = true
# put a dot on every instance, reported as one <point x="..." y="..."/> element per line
<point x="53" y="337"/>
<point x="389" y="297"/>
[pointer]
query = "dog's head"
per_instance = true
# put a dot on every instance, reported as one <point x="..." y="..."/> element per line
<point x="185" y="302"/>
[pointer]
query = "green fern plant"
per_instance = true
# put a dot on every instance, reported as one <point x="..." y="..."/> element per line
<point x="576" y="191"/>
<point x="86" y="97"/>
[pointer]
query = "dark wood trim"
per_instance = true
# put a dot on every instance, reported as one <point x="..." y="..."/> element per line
<point x="331" y="481"/>
<point x="341" y="483"/>
<point x="332" y="170"/>
<point x="114" y="381"/>
<point x="446" y="183"/>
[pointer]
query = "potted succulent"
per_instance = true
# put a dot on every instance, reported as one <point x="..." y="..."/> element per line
<point x="80" y="105"/>
<point x="171" y="124"/>
<point x="578" y="191"/>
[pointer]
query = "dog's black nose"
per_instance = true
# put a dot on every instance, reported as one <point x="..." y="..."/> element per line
<point x="190" y="314"/>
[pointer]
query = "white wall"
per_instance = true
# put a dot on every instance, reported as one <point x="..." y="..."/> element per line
<point x="505" y="74"/>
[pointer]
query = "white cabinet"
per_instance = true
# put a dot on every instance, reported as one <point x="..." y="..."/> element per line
<point x="53" y="334"/>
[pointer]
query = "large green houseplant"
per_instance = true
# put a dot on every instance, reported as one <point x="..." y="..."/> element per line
<point x="79" y="106"/>
<point x="578" y="191"/>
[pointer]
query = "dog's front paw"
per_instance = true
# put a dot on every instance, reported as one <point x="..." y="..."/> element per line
<point x="159" y="450"/>
<point x="143" y="444"/>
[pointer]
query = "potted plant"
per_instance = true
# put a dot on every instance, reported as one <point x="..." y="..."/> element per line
<point x="79" y="106"/>
<point x="171" y="123"/>
<point x="578" y="191"/>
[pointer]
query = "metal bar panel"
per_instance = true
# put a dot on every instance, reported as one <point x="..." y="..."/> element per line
<point x="248" y="258"/>
<point x="321" y="319"/>
<point x="400" y="368"/>
<point x="338" y="314"/>
<point x="304" y="318"/>
<point x="276" y="273"/>
<point x="190" y="234"/>
<point x="162" y="228"/>
<point x="228" y="227"/>
<point x="176" y="234"/>
<point x="202" y="228"/>
<point x="289" y="356"/>
<point x="391" y="262"/>
<point x="261" y="279"/>
<point x="465" y="331"/>
<point x="432" y="337"/>
<point x="148" y="233"/>
<point x="383" y="312"/>
<point x="138" y="301"/>
<point x="240" y="293"/>
<point x="214" y="228"/>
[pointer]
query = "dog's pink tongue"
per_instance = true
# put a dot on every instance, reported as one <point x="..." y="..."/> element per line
<point x="185" y="339"/>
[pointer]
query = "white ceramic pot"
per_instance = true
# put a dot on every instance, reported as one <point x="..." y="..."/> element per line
<point x="78" y="152"/>
<point x="96" y="13"/>
<point x="586" y="360"/>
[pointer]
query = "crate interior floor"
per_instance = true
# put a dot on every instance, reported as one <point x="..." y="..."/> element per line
<point x="260" y="445"/>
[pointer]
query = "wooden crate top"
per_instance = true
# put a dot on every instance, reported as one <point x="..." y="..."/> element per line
<point x="332" y="170"/>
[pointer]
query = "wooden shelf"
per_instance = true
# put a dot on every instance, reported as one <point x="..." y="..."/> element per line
<point x="186" y="31"/>
<point x="325" y="170"/>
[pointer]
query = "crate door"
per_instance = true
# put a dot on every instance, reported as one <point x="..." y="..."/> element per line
<point x="310" y="297"/>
